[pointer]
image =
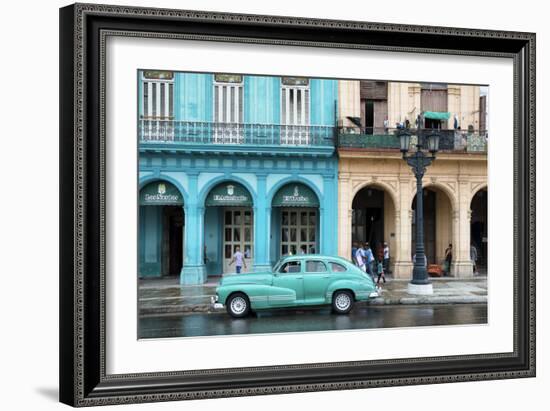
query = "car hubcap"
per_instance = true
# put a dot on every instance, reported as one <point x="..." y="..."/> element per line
<point x="238" y="305"/>
<point x="343" y="302"/>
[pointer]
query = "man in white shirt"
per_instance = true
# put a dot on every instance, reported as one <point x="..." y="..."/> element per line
<point x="238" y="259"/>
<point x="360" y="258"/>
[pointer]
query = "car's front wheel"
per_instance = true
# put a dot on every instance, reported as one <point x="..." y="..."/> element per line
<point x="342" y="302"/>
<point x="238" y="305"/>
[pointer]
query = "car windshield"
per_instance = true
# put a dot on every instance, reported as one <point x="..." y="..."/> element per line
<point x="277" y="266"/>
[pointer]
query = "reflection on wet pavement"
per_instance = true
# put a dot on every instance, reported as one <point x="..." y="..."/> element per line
<point x="285" y="321"/>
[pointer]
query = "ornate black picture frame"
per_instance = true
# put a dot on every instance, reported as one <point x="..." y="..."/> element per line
<point x="83" y="30"/>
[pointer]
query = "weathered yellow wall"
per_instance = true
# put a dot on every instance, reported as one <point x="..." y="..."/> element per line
<point x="455" y="178"/>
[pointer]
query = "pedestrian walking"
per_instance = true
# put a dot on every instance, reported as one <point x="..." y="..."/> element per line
<point x="473" y="257"/>
<point x="379" y="251"/>
<point x="380" y="272"/>
<point x="369" y="260"/>
<point x="386" y="258"/>
<point x="353" y="251"/>
<point x="361" y="258"/>
<point x="238" y="259"/>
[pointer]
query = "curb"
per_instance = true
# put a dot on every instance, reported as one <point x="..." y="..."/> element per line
<point x="207" y="309"/>
<point x="429" y="300"/>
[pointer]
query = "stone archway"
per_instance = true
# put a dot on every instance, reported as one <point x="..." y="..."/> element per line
<point x="161" y="229"/>
<point x="228" y="227"/>
<point x="373" y="219"/>
<point x="438" y="224"/>
<point x="295" y="220"/>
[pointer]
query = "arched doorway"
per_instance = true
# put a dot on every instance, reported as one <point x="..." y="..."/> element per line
<point x="161" y="230"/>
<point x="228" y="226"/>
<point x="373" y="220"/>
<point x="295" y="221"/>
<point x="438" y="225"/>
<point x="478" y="228"/>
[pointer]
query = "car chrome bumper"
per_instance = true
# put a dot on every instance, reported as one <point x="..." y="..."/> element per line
<point x="214" y="302"/>
<point x="374" y="294"/>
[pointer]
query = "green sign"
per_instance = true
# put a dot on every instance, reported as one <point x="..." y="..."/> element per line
<point x="229" y="194"/>
<point x="160" y="193"/>
<point x="437" y="115"/>
<point x="158" y="75"/>
<point x="228" y="78"/>
<point x="295" y="195"/>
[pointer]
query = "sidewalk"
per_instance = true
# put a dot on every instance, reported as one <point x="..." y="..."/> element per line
<point x="164" y="296"/>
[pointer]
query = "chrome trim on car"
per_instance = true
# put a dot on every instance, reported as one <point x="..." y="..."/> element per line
<point x="258" y="298"/>
<point x="280" y="297"/>
<point x="374" y="294"/>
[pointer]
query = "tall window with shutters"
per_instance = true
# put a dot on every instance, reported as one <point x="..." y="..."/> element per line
<point x="157" y="105"/>
<point x="228" y="109"/>
<point x="295" y="111"/>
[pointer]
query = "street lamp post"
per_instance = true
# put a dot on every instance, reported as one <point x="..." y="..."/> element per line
<point x="419" y="161"/>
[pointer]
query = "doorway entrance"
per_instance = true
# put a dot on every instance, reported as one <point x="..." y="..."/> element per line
<point x="298" y="231"/>
<point x="228" y="224"/>
<point x="238" y="228"/>
<point x="295" y="221"/>
<point x="478" y="227"/>
<point x="161" y="230"/>
<point x="438" y="224"/>
<point x="172" y="240"/>
<point x="367" y="221"/>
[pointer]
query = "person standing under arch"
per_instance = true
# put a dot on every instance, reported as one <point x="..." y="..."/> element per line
<point x="448" y="259"/>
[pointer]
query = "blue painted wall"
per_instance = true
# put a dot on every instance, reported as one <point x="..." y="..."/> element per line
<point x="150" y="241"/>
<point x="193" y="174"/>
<point x="323" y="102"/>
<point x="262" y="96"/>
<point x="194" y="93"/>
<point x="193" y="96"/>
<point x="213" y="226"/>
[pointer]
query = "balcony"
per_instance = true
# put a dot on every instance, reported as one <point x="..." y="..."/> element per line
<point x="452" y="141"/>
<point x="244" y="138"/>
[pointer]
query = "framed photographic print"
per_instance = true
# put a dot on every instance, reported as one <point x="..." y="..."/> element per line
<point x="262" y="204"/>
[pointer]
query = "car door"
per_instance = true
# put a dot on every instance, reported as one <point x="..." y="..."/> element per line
<point x="316" y="281"/>
<point x="287" y="279"/>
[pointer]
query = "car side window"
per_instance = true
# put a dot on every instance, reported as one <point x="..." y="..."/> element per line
<point x="290" y="267"/>
<point x="315" y="267"/>
<point x="337" y="268"/>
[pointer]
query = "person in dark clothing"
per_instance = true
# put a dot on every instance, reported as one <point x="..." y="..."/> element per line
<point x="448" y="258"/>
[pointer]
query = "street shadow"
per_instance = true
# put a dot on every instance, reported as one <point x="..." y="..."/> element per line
<point x="51" y="393"/>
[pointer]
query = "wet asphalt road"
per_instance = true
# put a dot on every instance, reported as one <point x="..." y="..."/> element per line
<point x="361" y="317"/>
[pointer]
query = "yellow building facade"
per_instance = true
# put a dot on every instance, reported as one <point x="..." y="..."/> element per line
<point x="377" y="189"/>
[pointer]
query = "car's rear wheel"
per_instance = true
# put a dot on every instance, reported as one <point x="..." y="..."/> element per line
<point x="342" y="302"/>
<point x="238" y="305"/>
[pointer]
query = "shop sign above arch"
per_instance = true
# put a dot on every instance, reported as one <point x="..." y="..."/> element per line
<point x="229" y="194"/>
<point x="295" y="195"/>
<point x="160" y="193"/>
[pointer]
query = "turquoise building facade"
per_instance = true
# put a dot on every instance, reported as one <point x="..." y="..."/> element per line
<point x="234" y="161"/>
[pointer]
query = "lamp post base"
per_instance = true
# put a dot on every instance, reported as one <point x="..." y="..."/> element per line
<point x="420" y="289"/>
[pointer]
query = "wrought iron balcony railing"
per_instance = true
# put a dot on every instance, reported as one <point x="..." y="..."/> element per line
<point x="386" y="138"/>
<point x="193" y="132"/>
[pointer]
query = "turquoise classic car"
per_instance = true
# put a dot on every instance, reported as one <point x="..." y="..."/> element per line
<point x="296" y="281"/>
